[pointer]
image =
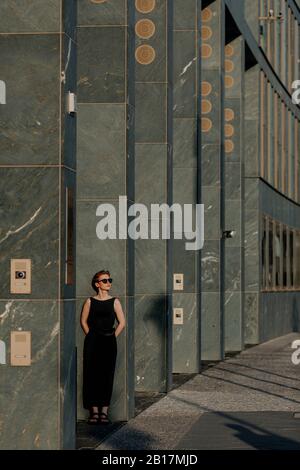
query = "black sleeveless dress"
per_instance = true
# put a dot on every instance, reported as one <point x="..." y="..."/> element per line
<point x="99" y="354"/>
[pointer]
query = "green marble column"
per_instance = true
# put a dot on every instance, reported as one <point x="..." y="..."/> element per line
<point x="104" y="165"/>
<point x="37" y="164"/>
<point x="252" y="247"/>
<point x="212" y="267"/>
<point x="151" y="187"/>
<point x="234" y="195"/>
<point x="186" y="347"/>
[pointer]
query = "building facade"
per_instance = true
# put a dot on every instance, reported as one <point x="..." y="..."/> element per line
<point x="178" y="102"/>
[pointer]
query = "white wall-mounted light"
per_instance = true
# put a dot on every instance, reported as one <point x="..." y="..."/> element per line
<point x="2" y="92"/>
<point x="2" y="352"/>
<point x="71" y="103"/>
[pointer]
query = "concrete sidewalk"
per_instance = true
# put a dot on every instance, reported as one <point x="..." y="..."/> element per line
<point x="246" y="402"/>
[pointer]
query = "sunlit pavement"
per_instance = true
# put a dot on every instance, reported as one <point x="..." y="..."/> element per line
<point x="251" y="401"/>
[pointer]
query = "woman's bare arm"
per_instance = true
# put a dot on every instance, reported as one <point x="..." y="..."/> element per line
<point x="84" y="316"/>
<point x="120" y="316"/>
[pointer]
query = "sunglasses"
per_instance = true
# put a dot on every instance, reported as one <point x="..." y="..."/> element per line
<point x="105" y="280"/>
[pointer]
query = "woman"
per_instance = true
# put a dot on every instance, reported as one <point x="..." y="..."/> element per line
<point x="100" y="347"/>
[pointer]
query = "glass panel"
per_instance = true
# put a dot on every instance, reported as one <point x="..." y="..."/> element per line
<point x="296" y="47"/>
<point x="266" y="130"/>
<point x="268" y="28"/>
<point x="289" y="50"/>
<point x="292" y="136"/>
<point x="291" y="158"/>
<point x="269" y="130"/>
<point x="275" y="141"/>
<point x="284" y="150"/>
<point x="292" y="50"/>
<point x="264" y="252"/>
<point x="296" y="159"/>
<point x="284" y="250"/>
<point x="271" y="136"/>
<point x="288" y="261"/>
<point x="278" y="255"/>
<point x="69" y="236"/>
<point x="271" y="34"/>
<point x="270" y="256"/>
<point x="262" y="24"/>
<point x="262" y="124"/>
<point x="291" y="258"/>
<point x="277" y="39"/>
<point x="297" y="260"/>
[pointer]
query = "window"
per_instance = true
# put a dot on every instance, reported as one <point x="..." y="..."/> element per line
<point x="297" y="260"/>
<point x="277" y="38"/>
<point x="284" y="254"/>
<point x="270" y="241"/>
<point x="279" y="143"/>
<point x="269" y="130"/>
<point x="283" y="147"/>
<point x="271" y="137"/>
<point x="266" y="129"/>
<point x="291" y="156"/>
<point x="69" y="236"/>
<point x="278" y="255"/>
<point x="262" y="124"/>
<point x="263" y="253"/>
<point x="291" y="253"/>
<point x="283" y="43"/>
<point x="275" y="141"/>
<point x="297" y="168"/>
<point x="262" y="24"/>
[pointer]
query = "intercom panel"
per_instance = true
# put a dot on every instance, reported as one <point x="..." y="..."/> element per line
<point x="20" y="276"/>
<point x="178" y="282"/>
<point x="20" y="348"/>
<point x="178" y="316"/>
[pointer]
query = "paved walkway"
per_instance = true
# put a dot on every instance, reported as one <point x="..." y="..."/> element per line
<point x="250" y="401"/>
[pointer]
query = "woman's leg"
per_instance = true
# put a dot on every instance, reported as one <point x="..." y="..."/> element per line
<point x="90" y="375"/>
<point x="108" y="378"/>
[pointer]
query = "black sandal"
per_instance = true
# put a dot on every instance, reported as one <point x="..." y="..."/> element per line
<point x="94" y="418"/>
<point x="104" y="418"/>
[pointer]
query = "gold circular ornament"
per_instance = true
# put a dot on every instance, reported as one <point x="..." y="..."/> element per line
<point x="206" y="124"/>
<point x="229" y="50"/>
<point x="206" y="106"/>
<point x="145" y="29"/>
<point x="145" y="54"/>
<point x="206" y="33"/>
<point x="206" y="88"/>
<point x="206" y="15"/>
<point x="229" y="114"/>
<point x="229" y="146"/>
<point x="229" y="65"/>
<point x="206" y="51"/>
<point x="145" y="6"/>
<point x="229" y="130"/>
<point x="229" y="81"/>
